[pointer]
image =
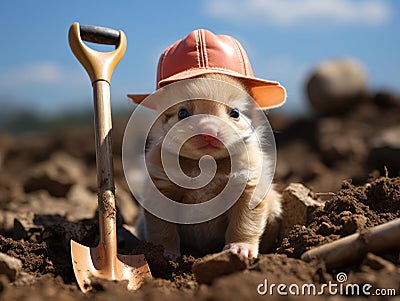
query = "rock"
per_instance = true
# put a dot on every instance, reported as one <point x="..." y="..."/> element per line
<point x="57" y="175"/>
<point x="336" y="85"/>
<point x="82" y="203"/>
<point x="385" y="150"/>
<point x="325" y="229"/>
<point x="353" y="223"/>
<point x="213" y="266"/>
<point x="10" y="266"/>
<point x="298" y="207"/>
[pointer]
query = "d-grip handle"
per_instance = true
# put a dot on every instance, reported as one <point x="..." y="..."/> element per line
<point x="99" y="35"/>
<point x="98" y="65"/>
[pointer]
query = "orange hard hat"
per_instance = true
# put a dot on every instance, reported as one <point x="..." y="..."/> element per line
<point x="202" y="52"/>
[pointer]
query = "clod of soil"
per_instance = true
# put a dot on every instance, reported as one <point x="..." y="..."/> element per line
<point x="214" y="266"/>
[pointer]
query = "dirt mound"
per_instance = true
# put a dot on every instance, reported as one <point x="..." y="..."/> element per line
<point x="48" y="197"/>
<point x="352" y="209"/>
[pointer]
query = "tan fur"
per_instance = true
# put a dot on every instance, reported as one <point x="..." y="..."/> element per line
<point x="238" y="229"/>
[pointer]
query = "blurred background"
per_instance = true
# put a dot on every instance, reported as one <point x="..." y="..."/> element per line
<point x="40" y="79"/>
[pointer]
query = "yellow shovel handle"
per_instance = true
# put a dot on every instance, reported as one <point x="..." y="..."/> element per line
<point x="98" y="65"/>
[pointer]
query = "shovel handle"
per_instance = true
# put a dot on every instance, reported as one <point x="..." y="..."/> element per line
<point x="98" y="65"/>
<point x="99" y="35"/>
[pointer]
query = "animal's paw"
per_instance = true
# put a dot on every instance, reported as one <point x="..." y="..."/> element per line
<point x="172" y="254"/>
<point x="243" y="249"/>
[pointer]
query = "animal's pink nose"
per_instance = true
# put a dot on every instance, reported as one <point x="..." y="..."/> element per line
<point x="208" y="138"/>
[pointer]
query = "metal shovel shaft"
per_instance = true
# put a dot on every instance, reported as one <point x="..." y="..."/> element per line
<point x="103" y="128"/>
<point x="107" y="248"/>
<point x="105" y="177"/>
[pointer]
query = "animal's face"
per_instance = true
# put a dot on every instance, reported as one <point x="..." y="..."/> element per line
<point x="206" y="127"/>
<point x="208" y="117"/>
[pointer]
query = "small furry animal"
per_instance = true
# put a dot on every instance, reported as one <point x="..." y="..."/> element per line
<point x="239" y="229"/>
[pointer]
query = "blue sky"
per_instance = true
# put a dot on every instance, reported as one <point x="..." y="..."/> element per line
<point x="284" y="39"/>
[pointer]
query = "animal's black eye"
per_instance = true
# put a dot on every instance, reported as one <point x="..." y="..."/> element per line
<point x="183" y="113"/>
<point x="234" y="113"/>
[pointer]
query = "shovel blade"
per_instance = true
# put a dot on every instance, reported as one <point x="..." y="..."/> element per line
<point x="88" y="264"/>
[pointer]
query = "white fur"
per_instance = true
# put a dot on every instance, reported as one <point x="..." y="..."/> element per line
<point x="240" y="228"/>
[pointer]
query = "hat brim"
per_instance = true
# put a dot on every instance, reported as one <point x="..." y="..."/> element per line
<point x="267" y="94"/>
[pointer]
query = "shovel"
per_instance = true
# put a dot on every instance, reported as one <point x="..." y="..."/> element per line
<point x="103" y="261"/>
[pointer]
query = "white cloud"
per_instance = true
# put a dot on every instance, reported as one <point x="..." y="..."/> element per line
<point x="295" y="12"/>
<point x="43" y="73"/>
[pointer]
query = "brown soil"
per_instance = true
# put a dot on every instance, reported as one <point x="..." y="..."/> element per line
<point x="352" y="209"/>
<point x="48" y="197"/>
